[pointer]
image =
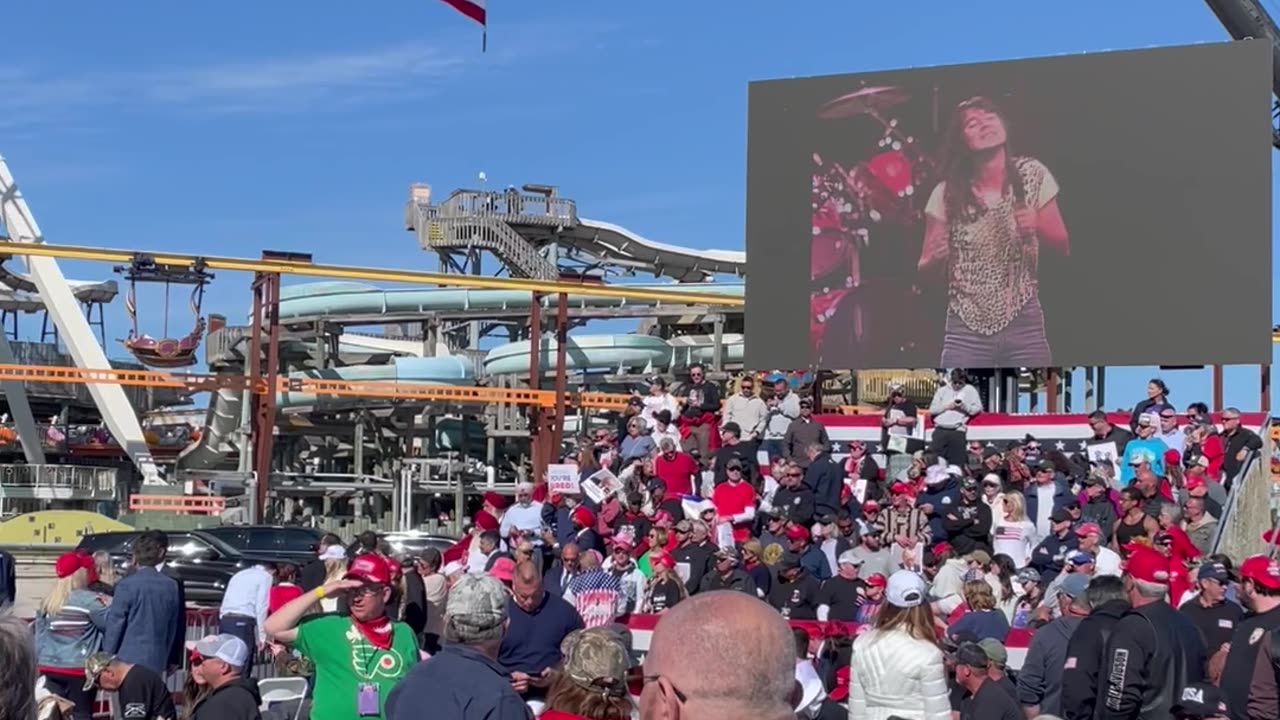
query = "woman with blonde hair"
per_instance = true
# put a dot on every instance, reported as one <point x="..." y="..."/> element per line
<point x="69" y="626"/>
<point x="897" y="667"/>
<point x="1012" y="533"/>
<point x="983" y="617"/>
<point x="335" y="567"/>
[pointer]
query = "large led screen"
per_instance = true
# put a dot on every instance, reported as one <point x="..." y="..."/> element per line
<point x="1094" y="209"/>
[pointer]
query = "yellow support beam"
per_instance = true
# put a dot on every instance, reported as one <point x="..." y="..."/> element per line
<point x="352" y="272"/>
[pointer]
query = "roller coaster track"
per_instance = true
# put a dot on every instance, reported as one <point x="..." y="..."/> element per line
<point x="197" y="382"/>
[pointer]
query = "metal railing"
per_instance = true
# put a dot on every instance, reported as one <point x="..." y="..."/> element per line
<point x="76" y="478"/>
<point x="511" y="207"/>
<point x="1250" y="492"/>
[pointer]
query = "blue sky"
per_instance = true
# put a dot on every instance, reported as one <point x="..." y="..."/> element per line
<point x="232" y="127"/>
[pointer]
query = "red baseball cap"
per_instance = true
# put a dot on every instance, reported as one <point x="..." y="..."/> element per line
<point x="494" y="499"/>
<point x="870" y="507"/>
<point x="899" y="488"/>
<point x="841" y="689"/>
<point x="67" y="564"/>
<point x="504" y="568"/>
<point x="877" y="580"/>
<point x="1148" y="565"/>
<point x="1262" y="570"/>
<point x="939" y="548"/>
<point x="1088" y="529"/>
<point x="369" y="568"/>
<point x="1194" y="482"/>
<point x="583" y="514"/>
<point x="662" y="558"/>
<point x="622" y="542"/>
<point x="797" y="532"/>
<point x="1172" y="457"/>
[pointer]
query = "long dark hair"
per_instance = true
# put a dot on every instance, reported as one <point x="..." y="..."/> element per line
<point x="958" y="162"/>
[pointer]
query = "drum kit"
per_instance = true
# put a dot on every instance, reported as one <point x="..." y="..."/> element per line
<point x="888" y="186"/>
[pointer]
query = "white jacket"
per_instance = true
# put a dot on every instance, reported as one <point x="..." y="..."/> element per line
<point x="893" y="673"/>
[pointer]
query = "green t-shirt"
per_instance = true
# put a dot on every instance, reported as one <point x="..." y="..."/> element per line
<point x="344" y="660"/>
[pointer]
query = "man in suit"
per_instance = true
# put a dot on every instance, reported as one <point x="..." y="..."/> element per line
<point x="146" y="623"/>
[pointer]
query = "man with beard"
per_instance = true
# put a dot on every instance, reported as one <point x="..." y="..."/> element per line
<point x="584" y="533"/>
<point x="1260" y="593"/>
<point x="1098" y="507"/>
<point x="1210" y="610"/>
<point x="968" y="523"/>
<point x="876" y="558"/>
<point x="734" y="448"/>
<point x="1050" y="555"/>
<point x="773" y="538"/>
<point x="659" y="501"/>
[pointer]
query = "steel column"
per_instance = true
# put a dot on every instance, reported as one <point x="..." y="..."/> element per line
<point x="266" y="316"/>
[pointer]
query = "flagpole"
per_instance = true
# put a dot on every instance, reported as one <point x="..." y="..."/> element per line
<point x="484" y="39"/>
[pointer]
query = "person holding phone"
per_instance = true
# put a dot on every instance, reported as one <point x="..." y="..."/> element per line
<point x="986" y="223"/>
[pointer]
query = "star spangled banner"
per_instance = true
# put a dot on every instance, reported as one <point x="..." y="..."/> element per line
<point x="475" y="10"/>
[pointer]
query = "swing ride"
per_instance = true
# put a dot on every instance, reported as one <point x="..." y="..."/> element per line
<point x="166" y="351"/>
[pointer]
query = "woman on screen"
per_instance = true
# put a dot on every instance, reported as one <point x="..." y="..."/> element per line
<point x="986" y="223"/>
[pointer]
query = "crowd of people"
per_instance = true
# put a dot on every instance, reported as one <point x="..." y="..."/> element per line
<point x="786" y="582"/>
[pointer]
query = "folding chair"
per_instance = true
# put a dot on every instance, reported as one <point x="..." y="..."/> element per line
<point x="283" y="690"/>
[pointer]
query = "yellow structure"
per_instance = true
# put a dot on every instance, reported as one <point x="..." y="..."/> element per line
<point x="56" y="527"/>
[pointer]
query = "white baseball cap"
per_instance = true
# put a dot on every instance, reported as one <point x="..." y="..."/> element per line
<point x="849" y="557"/>
<point x="906" y="589"/>
<point x="227" y="648"/>
<point x="334" y="552"/>
<point x="452" y="567"/>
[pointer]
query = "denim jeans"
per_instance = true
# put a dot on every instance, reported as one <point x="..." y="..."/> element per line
<point x="245" y="628"/>
<point x="1022" y="343"/>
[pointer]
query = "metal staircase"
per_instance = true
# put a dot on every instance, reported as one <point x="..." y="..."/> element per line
<point x="470" y="220"/>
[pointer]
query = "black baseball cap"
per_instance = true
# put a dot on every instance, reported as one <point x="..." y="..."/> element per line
<point x="1199" y="700"/>
<point x="1060" y="515"/>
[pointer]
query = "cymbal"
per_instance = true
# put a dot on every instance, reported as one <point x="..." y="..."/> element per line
<point x="865" y="101"/>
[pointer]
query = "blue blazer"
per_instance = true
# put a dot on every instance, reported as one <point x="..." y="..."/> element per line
<point x="146" y="624"/>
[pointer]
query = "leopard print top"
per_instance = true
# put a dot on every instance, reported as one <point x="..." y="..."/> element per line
<point x="993" y="270"/>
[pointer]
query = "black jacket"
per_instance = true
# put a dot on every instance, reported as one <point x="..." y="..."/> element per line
<point x="1085" y="652"/>
<point x="738" y="580"/>
<point x="237" y="700"/>
<point x="968" y="526"/>
<point x="794" y="505"/>
<point x="414" y="612"/>
<point x="825" y="478"/>
<point x="311" y="575"/>
<point x="1153" y="652"/>
<point x="700" y="557"/>
<point x="1241" y="439"/>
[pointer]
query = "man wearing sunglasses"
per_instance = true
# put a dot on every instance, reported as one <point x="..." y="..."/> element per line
<point x="358" y="658"/>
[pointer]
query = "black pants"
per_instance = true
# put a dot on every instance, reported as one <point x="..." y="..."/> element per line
<point x="951" y="445"/>
<point x="245" y="628"/>
<point x="71" y="688"/>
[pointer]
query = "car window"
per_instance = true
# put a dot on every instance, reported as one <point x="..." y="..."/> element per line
<point x="183" y="545"/>
<point x="116" y="543"/>
<point x="233" y="536"/>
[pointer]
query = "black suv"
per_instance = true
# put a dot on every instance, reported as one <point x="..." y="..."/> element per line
<point x="201" y="562"/>
<point x="292" y="543"/>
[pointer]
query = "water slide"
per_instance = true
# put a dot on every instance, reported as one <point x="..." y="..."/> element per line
<point x="358" y="303"/>
<point x="615" y="243"/>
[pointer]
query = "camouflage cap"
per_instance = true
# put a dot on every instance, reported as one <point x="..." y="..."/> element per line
<point x="477" y="603"/>
<point x="597" y="659"/>
<point x="93" y="667"/>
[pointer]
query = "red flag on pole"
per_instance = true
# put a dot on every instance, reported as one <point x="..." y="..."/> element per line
<point x="474" y="9"/>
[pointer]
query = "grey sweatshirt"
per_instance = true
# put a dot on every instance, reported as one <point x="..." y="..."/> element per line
<point x="944" y="411"/>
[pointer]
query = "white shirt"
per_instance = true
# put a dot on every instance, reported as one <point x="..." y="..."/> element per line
<point x="654" y="404"/>
<point x="812" y="691"/>
<point x="525" y="518"/>
<point x="1015" y="539"/>
<point x="246" y="595"/>
<point x="1044" y="509"/>
<point x="1106" y="562"/>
